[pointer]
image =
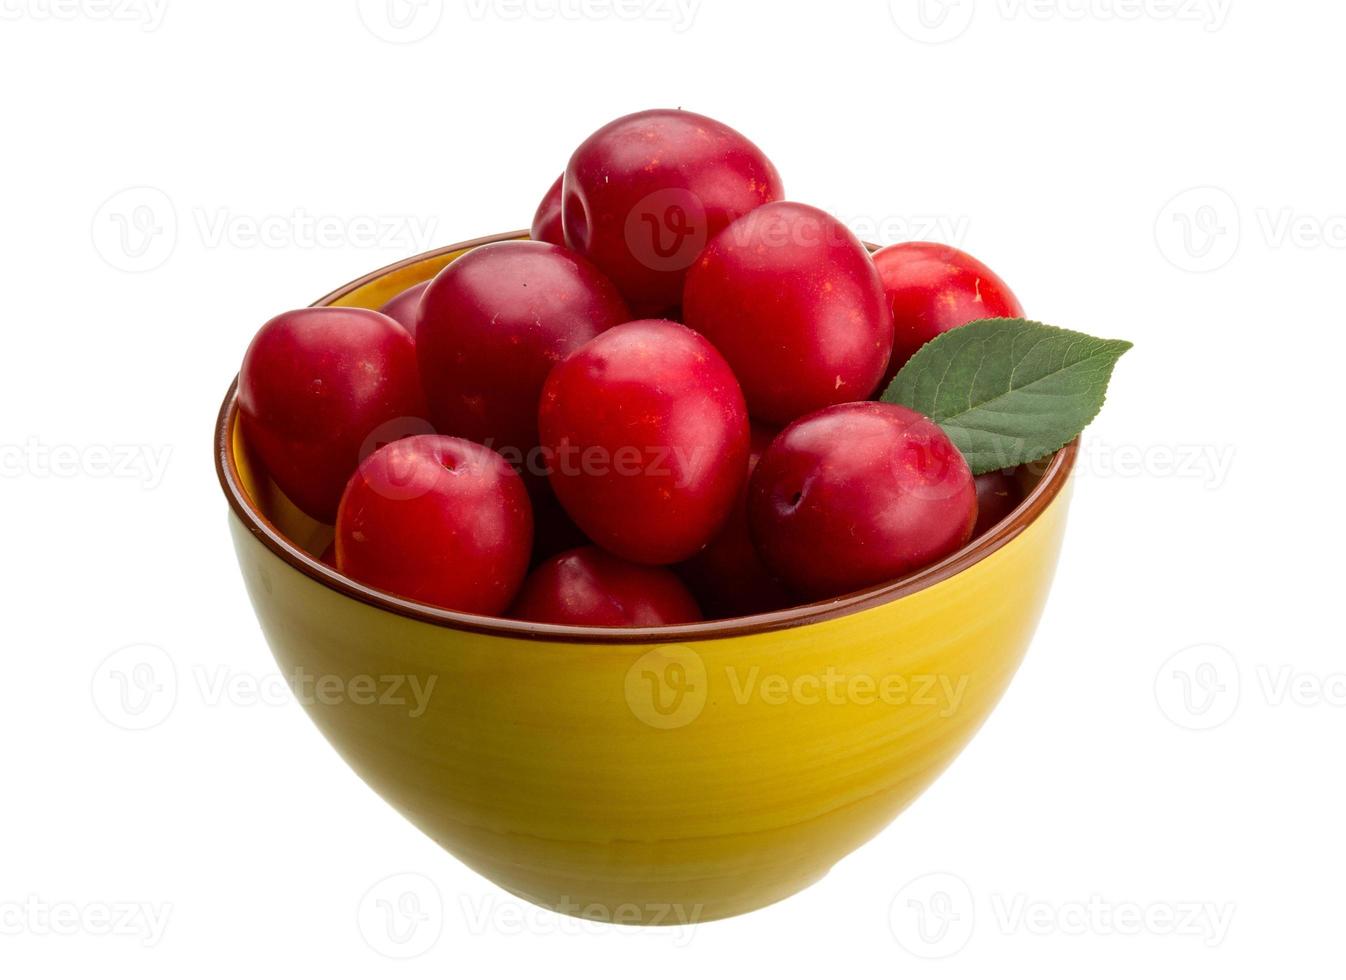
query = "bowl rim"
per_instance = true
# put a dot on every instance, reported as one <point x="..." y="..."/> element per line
<point x="1049" y="486"/>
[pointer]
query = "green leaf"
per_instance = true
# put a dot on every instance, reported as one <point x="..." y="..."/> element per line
<point x="1008" y="391"/>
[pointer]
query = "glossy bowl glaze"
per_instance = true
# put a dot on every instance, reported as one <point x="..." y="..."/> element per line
<point x="644" y="775"/>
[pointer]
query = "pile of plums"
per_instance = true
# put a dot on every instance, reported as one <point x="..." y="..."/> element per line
<point x="660" y="408"/>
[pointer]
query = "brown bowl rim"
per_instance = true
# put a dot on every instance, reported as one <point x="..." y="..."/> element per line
<point x="1053" y="480"/>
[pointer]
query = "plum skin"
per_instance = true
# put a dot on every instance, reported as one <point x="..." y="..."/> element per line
<point x="493" y="324"/>
<point x="405" y="305"/>
<point x="437" y="519"/>
<point x="791" y="298"/>
<point x="998" y="493"/>
<point x="727" y="575"/>
<point x="855" y="495"/>
<point x="546" y="225"/>
<point x="589" y="587"/>
<point x="647" y="437"/>
<point x="316" y="386"/>
<point x="932" y="288"/>
<point x="643" y="194"/>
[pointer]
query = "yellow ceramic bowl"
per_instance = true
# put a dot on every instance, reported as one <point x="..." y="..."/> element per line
<point x="651" y="775"/>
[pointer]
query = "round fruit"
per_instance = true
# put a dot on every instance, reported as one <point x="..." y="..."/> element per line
<point x="933" y="288"/>
<point x="647" y="436"/>
<point x="589" y="587"/>
<point x="727" y="576"/>
<point x="319" y="389"/>
<point x="644" y="194"/>
<point x="998" y="494"/>
<point x="493" y="324"/>
<point x="792" y="300"/>
<point x="440" y="520"/>
<point x="405" y="305"/>
<point x="547" y="220"/>
<point x="855" y="495"/>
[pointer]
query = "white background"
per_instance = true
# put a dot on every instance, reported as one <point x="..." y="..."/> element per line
<point x="1060" y="141"/>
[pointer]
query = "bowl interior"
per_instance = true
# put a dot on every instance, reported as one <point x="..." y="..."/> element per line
<point x="300" y="540"/>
